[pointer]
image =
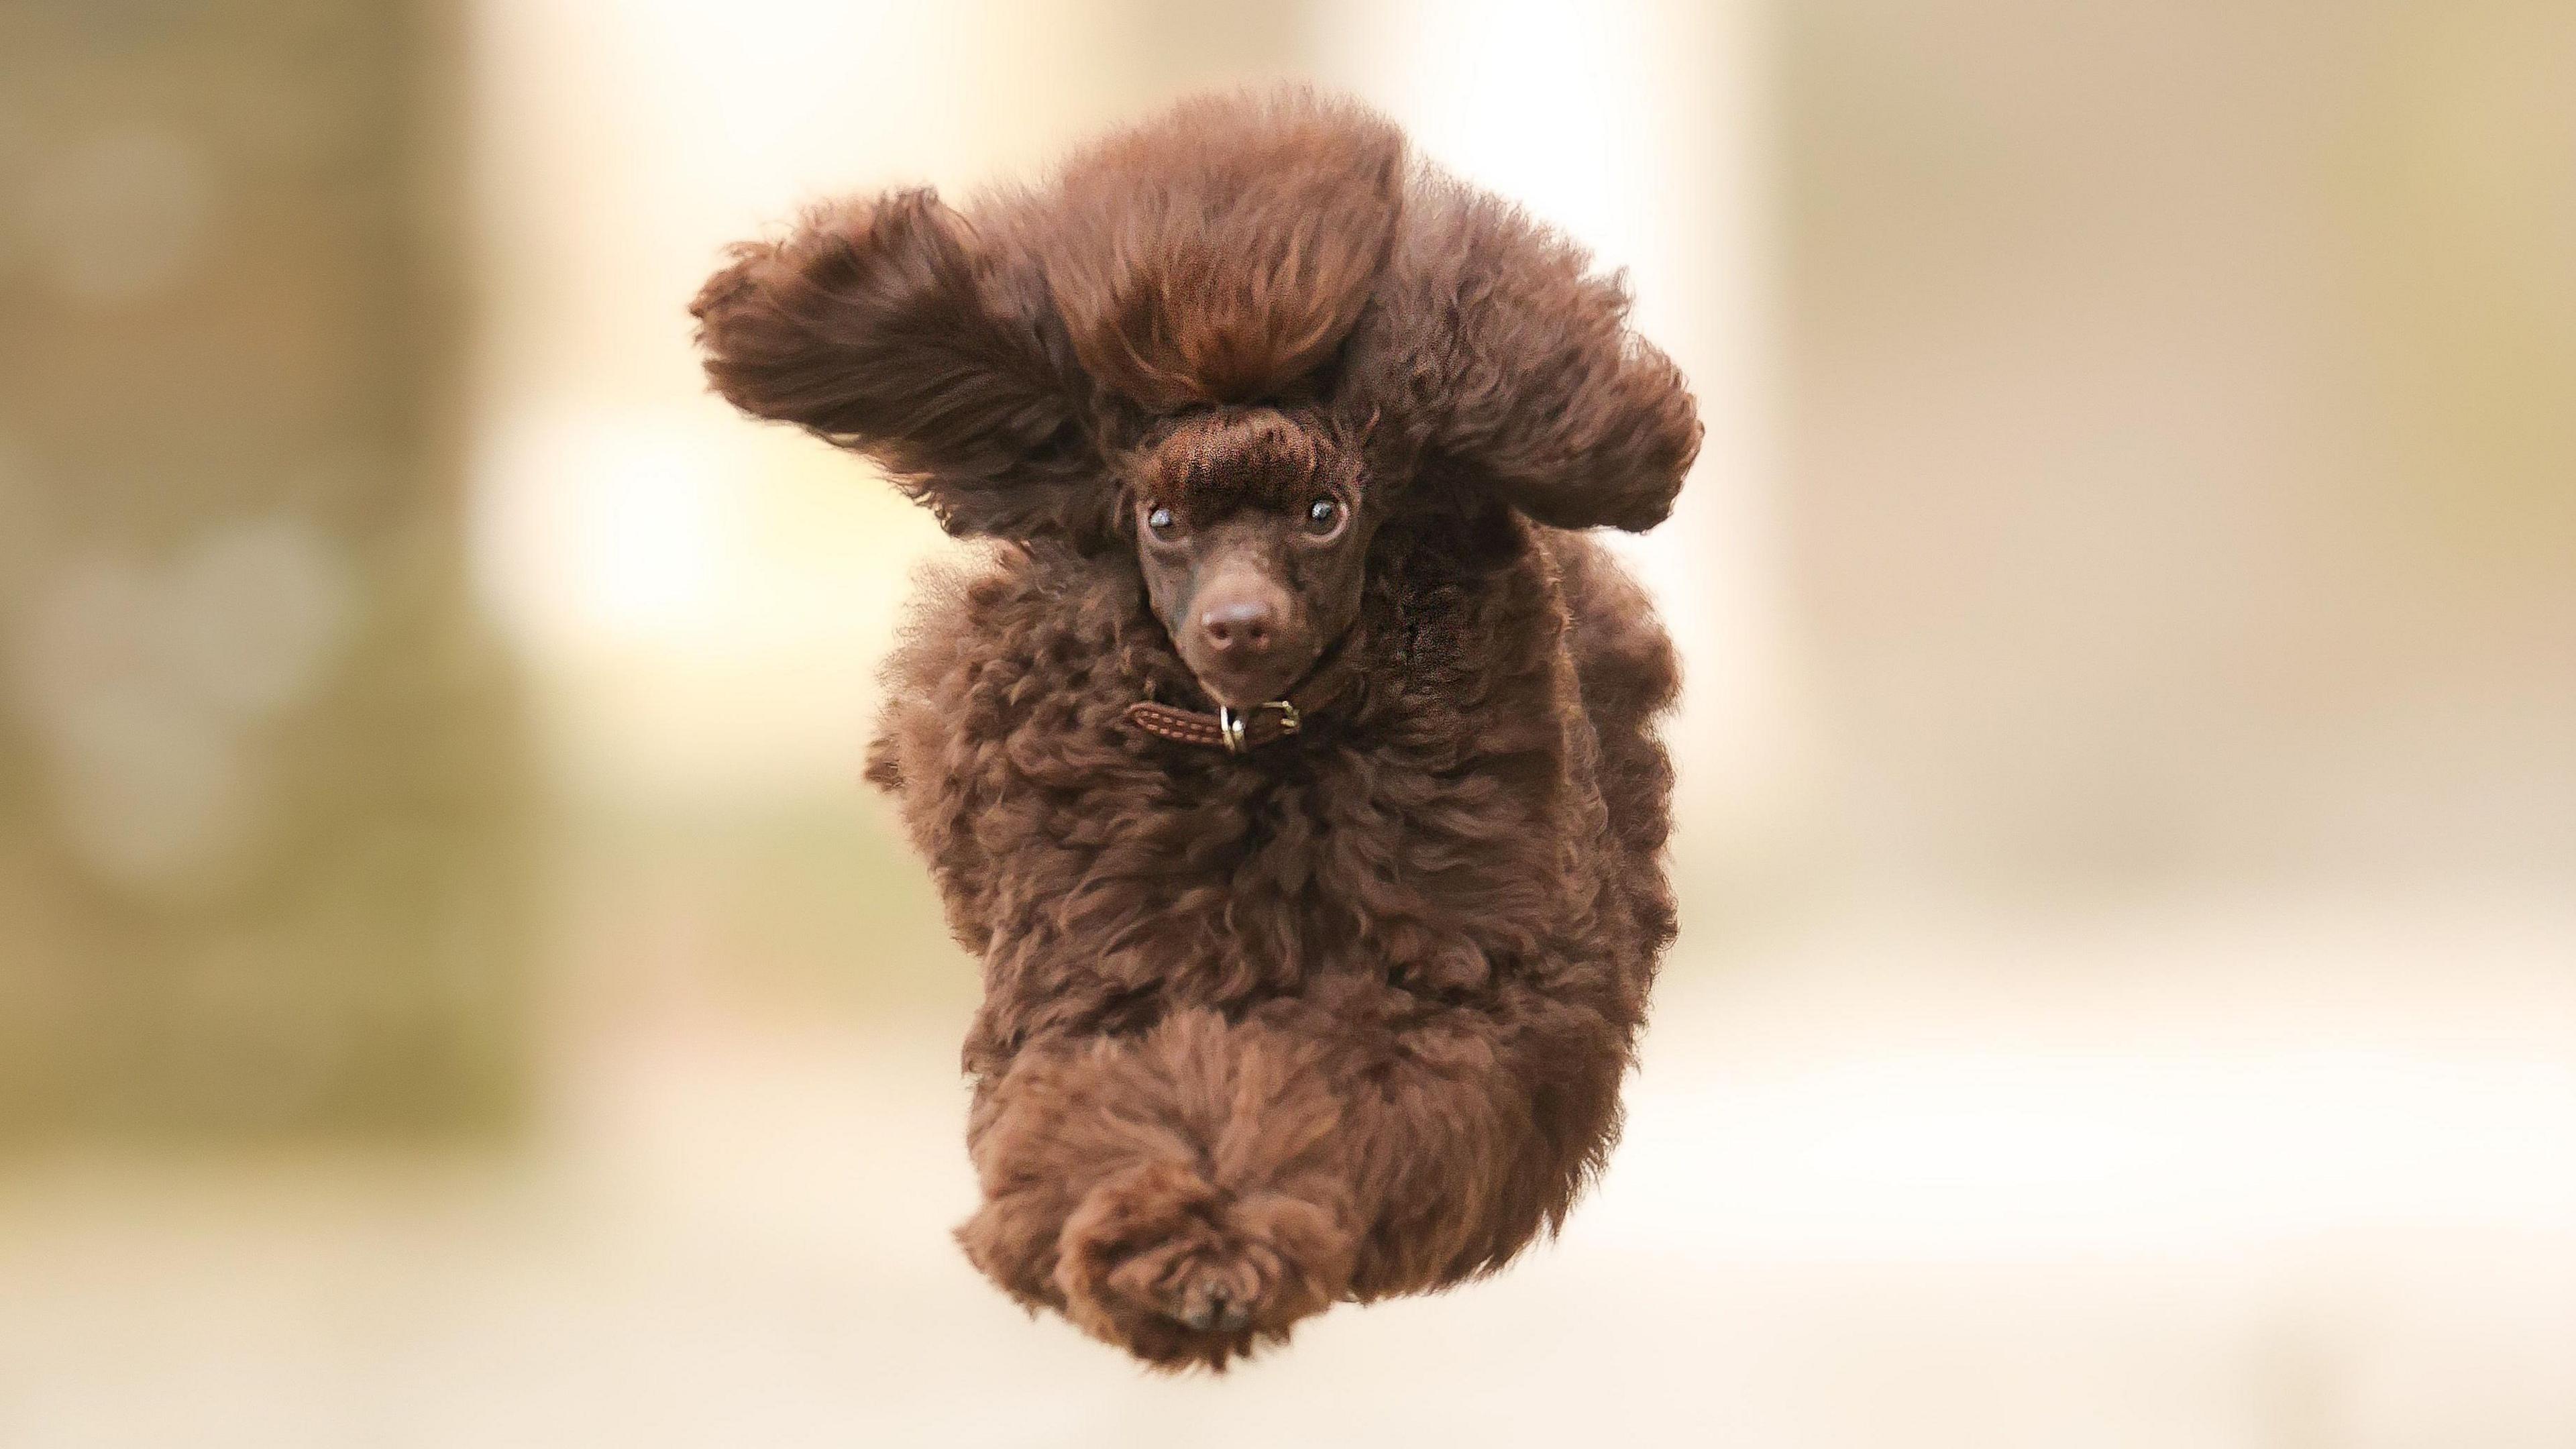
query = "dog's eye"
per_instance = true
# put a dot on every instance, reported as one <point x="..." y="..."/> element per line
<point x="1161" y="521"/>
<point x="1323" y="516"/>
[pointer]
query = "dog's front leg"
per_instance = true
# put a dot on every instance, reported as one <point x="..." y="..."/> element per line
<point x="1177" y="1191"/>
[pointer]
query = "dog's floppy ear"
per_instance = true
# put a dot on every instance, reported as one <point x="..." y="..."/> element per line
<point x="1498" y="360"/>
<point x="883" y="326"/>
<point x="1221" y="252"/>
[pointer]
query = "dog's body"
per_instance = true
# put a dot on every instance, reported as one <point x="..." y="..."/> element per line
<point x="1342" y="1014"/>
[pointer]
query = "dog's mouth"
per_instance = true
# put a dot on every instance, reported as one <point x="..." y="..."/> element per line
<point x="1244" y="689"/>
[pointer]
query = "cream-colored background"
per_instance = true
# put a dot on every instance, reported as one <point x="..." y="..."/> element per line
<point x="2128" y="988"/>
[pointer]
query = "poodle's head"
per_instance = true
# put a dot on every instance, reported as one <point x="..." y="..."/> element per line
<point x="1252" y="529"/>
<point x="1220" y="350"/>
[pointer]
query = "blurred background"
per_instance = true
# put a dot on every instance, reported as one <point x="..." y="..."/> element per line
<point x="455" y="989"/>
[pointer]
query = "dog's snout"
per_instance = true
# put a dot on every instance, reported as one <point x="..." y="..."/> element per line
<point x="1241" y="624"/>
<point x="1244" y="630"/>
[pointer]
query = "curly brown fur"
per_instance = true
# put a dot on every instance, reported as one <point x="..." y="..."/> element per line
<point x="1221" y="253"/>
<point x="1346" y="1016"/>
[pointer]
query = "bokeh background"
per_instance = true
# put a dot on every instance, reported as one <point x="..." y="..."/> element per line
<point x="455" y="990"/>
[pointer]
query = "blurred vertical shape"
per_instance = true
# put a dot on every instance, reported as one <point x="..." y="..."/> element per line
<point x="1636" y="128"/>
<point x="2181" y="456"/>
<point x="258" y="766"/>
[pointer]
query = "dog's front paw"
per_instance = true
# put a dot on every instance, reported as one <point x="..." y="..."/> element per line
<point x="1178" y="1272"/>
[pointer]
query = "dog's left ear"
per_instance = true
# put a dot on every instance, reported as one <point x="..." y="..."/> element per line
<point x="887" y="326"/>
<point x="1498" y="361"/>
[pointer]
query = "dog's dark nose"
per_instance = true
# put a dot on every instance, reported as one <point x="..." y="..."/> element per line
<point x="1242" y="627"/>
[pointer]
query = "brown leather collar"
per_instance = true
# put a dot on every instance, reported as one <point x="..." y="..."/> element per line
<point x="1243" y="733"/>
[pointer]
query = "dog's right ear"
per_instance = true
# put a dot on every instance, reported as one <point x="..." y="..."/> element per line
<point x="882" y="326"/>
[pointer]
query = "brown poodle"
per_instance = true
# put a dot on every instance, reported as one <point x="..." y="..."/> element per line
<point x="1288" y="758"/>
